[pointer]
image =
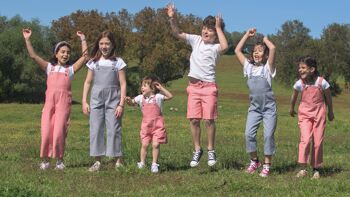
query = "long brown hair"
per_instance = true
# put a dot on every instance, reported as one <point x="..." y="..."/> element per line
<point x="265" y="56"/>
<point x="96" y="53"/>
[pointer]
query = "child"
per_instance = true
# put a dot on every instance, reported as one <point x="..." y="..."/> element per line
<point x="152" y="127"/>
<point x="315" y="97"/>
<point x="259" y="70"/>
<point x="58" y="99"/>
<point x="202" y="90"/>
<point x="106" y="101"/>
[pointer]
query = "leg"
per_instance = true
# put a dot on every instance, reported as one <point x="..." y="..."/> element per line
<point x="253" y="120"/>
<point x="318" y="133"/>
<point x="305" y="137"/>
<point x="211" y="130"/>
<point x="155" y="152"/>
<point x="97" y="145"/>
<point x="143" y="152"/>
<point x="196" y="133"/>
<point x="114" y="134"/>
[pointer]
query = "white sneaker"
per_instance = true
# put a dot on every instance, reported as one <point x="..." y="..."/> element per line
<point x="118" y="165"/>
<point x="95" y="167"/>
<point x="44" y="165"/>
<point x="140" y="165"/>
<point x="155" y="168"/>
<point x="211" y="158"/>
<point x="196" y="158"/>
<point x="60" y="165"/>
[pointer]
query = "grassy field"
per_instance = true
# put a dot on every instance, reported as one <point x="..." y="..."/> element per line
<point x="20" y="140"/>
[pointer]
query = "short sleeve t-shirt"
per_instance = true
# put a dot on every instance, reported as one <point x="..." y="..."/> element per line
<point x="298" y="86"/>
<point x="159" y="100"/>
<point x="250" y="69"/>
<point x="118" y="63"/>
<point x="61" y="69"/>
<point x="203" y="58"/>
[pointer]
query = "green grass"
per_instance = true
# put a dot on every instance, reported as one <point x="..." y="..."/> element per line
<point x="20" y="140"/>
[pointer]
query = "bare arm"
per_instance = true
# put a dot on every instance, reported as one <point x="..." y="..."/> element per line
<point x="272" y="52"/>
<point x="122" y="81"/>
<point x="86" y="89"/>
<point x="221" y="35"/>
<point x="238" y="49"/>
<point x="42" y="63"/>
<point x="292" y="103"/>
<point x="79" y="63"/>
<point x="164" y="91"/>
<point x="130" y="101"/>
<point x="173" y="24"/>
<point x="329" y="104"/>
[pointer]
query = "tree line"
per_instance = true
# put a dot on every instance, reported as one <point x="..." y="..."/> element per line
<point x="145" y="42"/>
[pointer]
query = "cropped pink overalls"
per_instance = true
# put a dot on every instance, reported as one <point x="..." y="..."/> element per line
<point x="55" y="114"/>
<point x="152" y="126"/>
<point x="312" y="123"/>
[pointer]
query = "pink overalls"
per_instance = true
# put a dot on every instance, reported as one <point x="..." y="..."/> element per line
<point x="152" y="127"/>
<point x="312" y="123"/>
<point x="55" y="114"/>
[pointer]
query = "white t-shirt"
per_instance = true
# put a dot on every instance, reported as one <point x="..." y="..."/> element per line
<point x="61" y="69"/>
<point x="203" y="58"/>
<point x="118" y="64"/>
<point x="159" y="100"/>
<point x="299" y="87"/>
<point x="256" y="71"/>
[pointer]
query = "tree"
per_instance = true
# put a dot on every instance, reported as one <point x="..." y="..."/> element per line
<point x="292" y="42"/>
<point x="21" y="80"/>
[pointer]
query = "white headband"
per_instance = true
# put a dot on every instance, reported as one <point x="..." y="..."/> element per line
<point x="59" y="44"/>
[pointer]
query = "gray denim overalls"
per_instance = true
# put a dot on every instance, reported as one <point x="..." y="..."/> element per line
<point x="105" y="97"/>
<point x="262" y="107"/>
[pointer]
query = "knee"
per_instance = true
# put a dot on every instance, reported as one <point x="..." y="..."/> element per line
<point x="195" y="122"/>
<point x="209" y="123"/>
<point x="144" y="145"/>
<point x="155" y="145"/>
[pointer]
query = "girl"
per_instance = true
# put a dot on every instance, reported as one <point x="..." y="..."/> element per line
<point x="315" y="97"/>
<point x="202" y="89"/>
<point x="58" y="98"/>
<point x="259" y="70"/>
<point x="152" y="127"/>
<point x="106" y="101"/>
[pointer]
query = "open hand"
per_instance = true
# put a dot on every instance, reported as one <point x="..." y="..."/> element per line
<point x="171" y="10"/>
<point x="27" y="32"/>
<point x="218" y="20"/>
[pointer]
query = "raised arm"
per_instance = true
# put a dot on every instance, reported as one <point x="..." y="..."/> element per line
<point x="329" y="104"/>
<point x="84" y="48"/>
<point x="173" y="24"/>
<point x="164" y="91"/>
<point x="221" y="34"/>
<point x="42" y="63"/>
<point x="238" y="49"/>
<point x="292" y="103"/>
<point x="272" y="52"/>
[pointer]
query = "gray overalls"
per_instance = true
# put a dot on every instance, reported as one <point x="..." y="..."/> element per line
<point x="105" y="97"/>
<point x="262" y="107"/>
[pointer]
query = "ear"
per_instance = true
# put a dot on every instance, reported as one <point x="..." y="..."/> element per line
<point x="312" y="69"/>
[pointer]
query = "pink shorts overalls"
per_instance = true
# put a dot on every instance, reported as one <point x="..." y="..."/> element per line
<point x="152" y="126"/>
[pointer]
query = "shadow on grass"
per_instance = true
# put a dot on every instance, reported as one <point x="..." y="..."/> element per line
<point x="174" y="167"/>
<point x="293" y="167"/>
<point x="330" y="171"/>
<point x="231" y="164"/>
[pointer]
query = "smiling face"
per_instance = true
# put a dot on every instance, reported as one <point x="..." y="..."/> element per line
<point x="258" y="54"/>
<point x="305" y="71"/>
<point x="208" y="35"/>
<point x="146" y="90"/>
<point x="63" y="55"/>
<point x="105" y="46"/>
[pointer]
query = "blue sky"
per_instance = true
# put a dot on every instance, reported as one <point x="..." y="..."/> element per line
<point x="266" y="15"/>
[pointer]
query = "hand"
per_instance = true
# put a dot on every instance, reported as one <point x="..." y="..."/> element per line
<point x="218" y="20"/>
<point x="292" y="112"/>
<point x="27" y="32"/>
<point x="171" y="10"/>
<point x="330" y="116"/>
<point x="251" y="32"/>
<point x="158" y="85"/>
<point x="128" y="100"/>
<point x="81" y="35"/>
<point x="119" y="111"/>
<point x="86" y="108"/>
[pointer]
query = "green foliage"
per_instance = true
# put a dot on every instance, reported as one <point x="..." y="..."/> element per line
<point x="20" y="79"/>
